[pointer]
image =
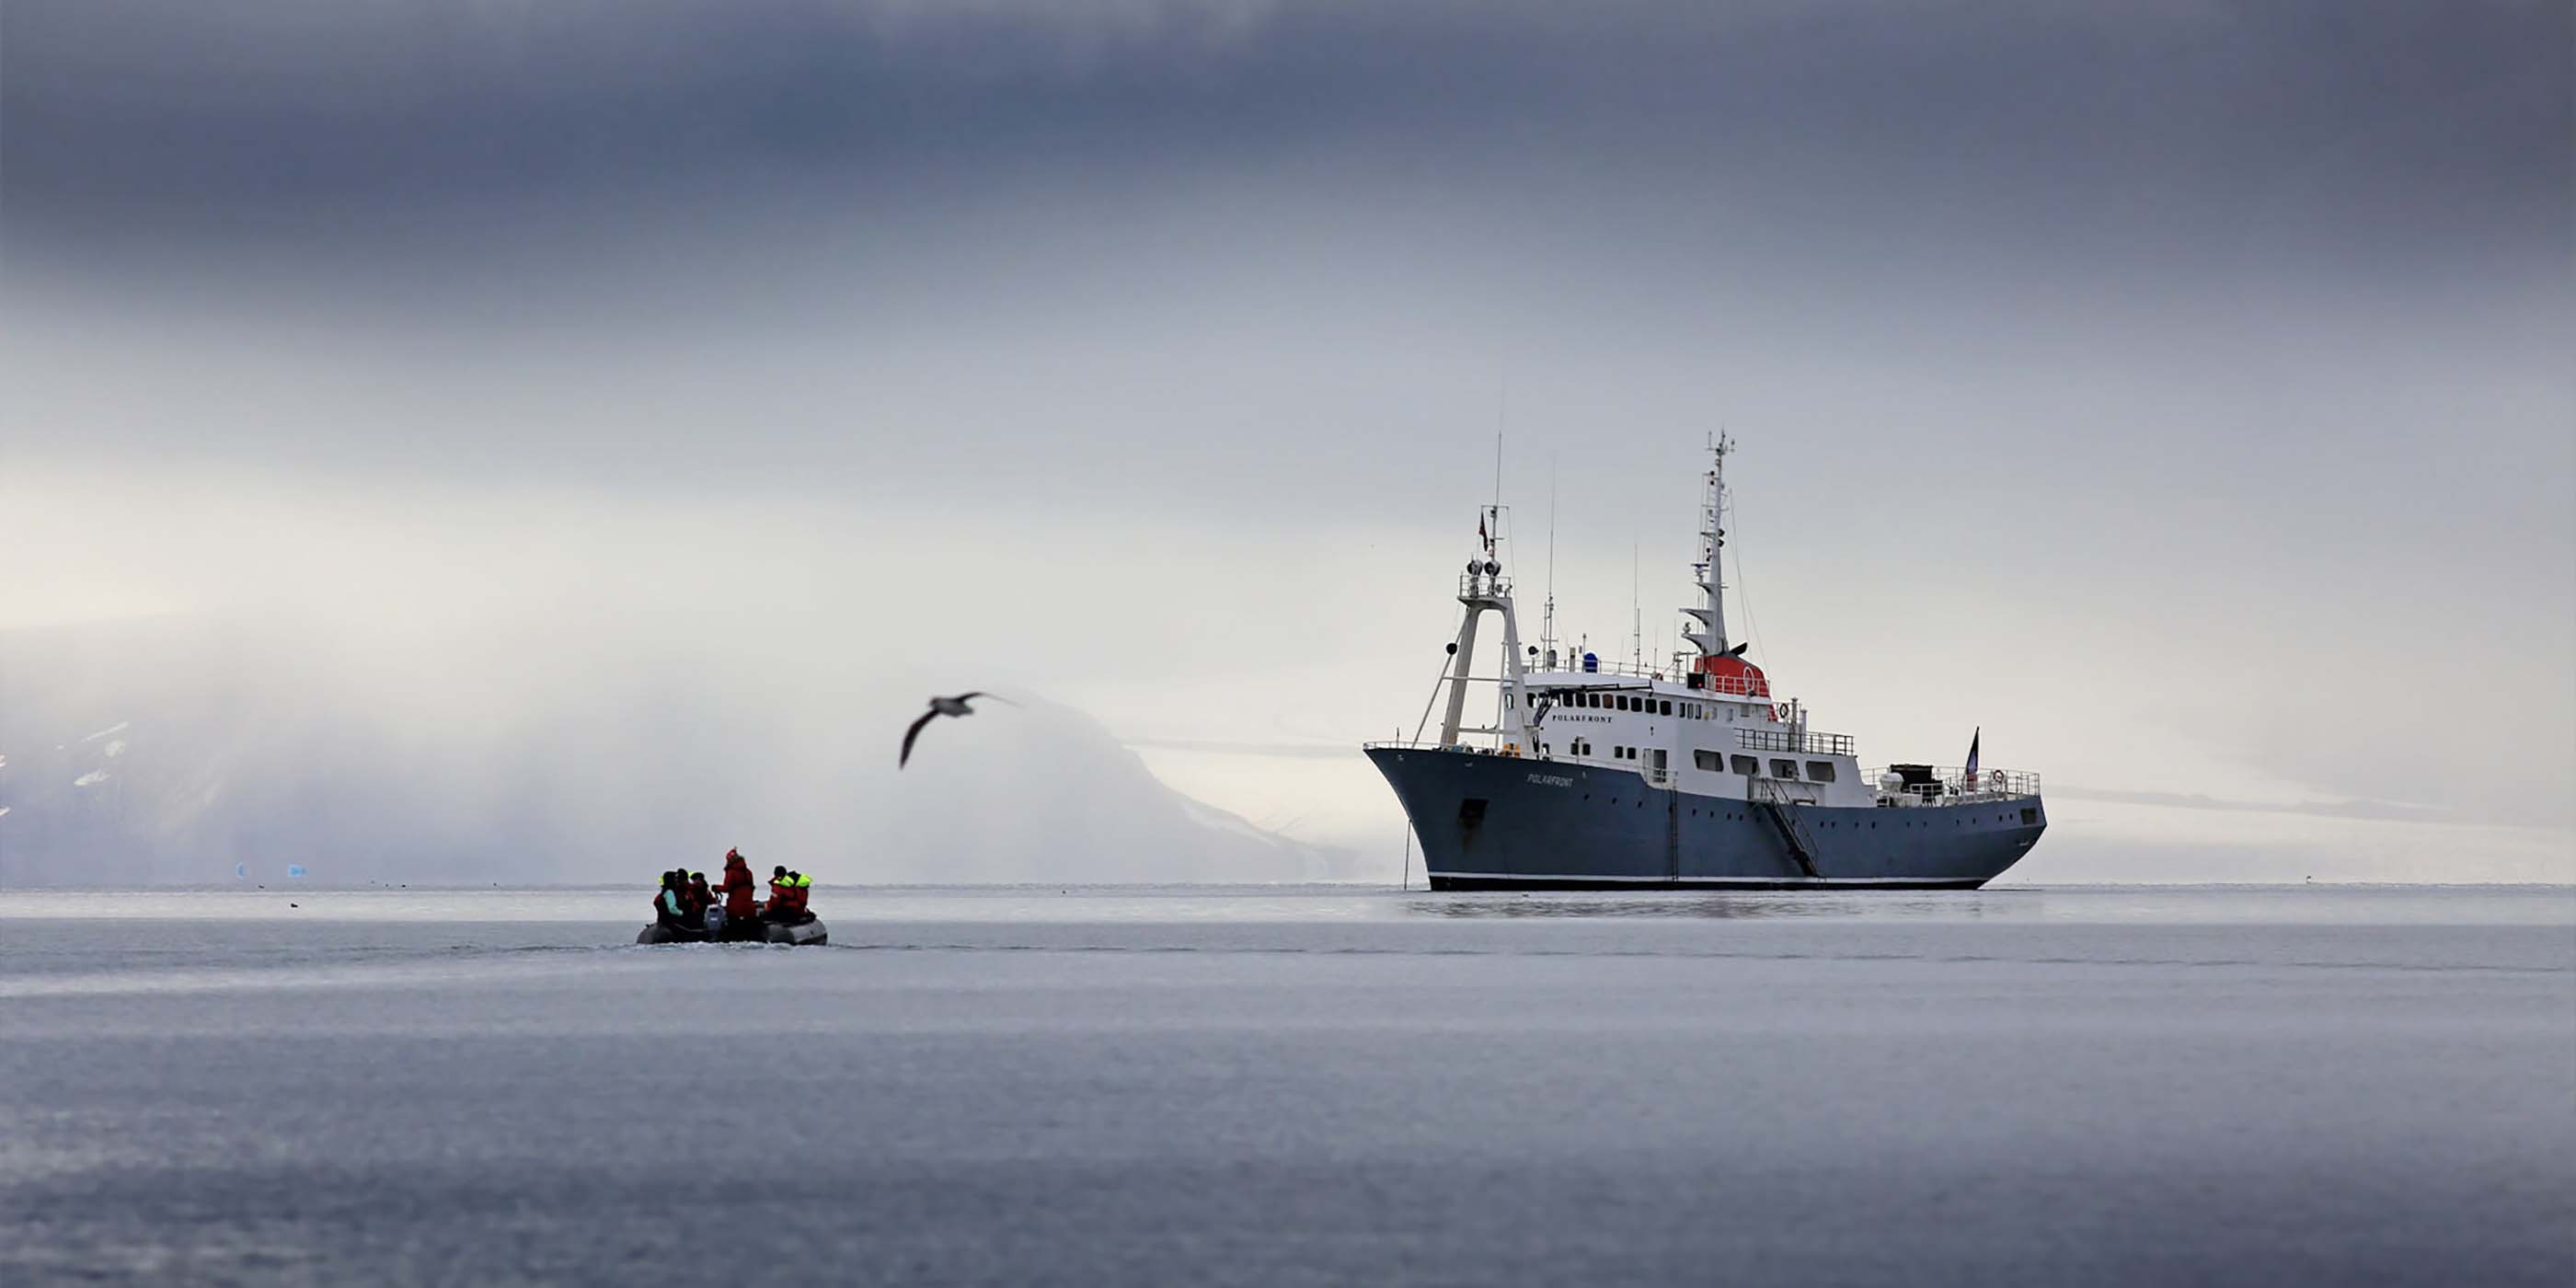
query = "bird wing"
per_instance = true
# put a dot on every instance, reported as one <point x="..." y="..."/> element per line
<point x="979" y="693"/>
<point x="912" y="733"/>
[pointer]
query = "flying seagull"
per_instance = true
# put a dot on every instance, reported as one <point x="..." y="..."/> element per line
<point x="955" y="706"/>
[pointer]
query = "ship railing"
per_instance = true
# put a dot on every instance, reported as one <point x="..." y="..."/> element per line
<point x="1629" y="670"/>
<point x="1945" y="785"/>
<point x="1477" y="585"/>
<point x="1507" y="751"/>
<point x="1810" y="744"/>
<point x="1741" y="686"/>
<point x="1731" y="685"/>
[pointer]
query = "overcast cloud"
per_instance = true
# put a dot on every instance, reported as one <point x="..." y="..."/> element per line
<point x="2178" y="392"/>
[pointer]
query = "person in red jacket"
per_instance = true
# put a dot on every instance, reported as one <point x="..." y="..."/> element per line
<point x="737" y="887"/>
<point x="782" y="896"/>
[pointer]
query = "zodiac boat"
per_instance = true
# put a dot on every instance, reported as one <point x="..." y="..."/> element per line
<point x="740" y="930"/>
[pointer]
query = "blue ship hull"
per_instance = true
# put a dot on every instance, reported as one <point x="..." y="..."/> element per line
<point x="1488" y="822"/>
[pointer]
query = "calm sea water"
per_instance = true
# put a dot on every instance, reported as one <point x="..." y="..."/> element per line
<point x="1305" y="1085"/>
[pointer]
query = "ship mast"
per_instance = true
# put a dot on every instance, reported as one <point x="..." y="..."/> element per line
<point x="1711" y="614"/>
<point x="1547" y="622"/>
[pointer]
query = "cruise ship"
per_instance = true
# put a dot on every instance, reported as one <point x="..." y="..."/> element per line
<point x="1686" y="774"/>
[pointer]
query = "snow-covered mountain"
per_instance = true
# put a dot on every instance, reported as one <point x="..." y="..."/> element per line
<point x="170" y="750"/>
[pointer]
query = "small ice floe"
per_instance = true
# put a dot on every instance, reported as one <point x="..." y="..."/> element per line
<point x="119" y="727"/>
<point x="116" y="748"/>
<point x="295" y="869"/>
<point x="92" y="778"/>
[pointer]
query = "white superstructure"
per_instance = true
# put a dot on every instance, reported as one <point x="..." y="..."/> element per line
<point x="1707" y="724"/>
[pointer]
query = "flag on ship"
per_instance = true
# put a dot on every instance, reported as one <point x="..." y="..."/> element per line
<point x="1971" y="775"/>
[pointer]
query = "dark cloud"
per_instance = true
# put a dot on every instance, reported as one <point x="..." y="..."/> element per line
<point x="2427" y="128"/>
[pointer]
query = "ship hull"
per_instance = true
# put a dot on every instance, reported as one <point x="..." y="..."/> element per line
<point x="1488" y="822"/>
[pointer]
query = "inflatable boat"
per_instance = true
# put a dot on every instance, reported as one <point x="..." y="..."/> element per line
<point x="741" y="930"/>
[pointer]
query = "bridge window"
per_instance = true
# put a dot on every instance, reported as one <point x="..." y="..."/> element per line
<point x="1787" y="769"/>
<point x="1665" y="707"/>
<point x="1747" y="766"/>
<point x="1708" y="760"/>
<point x="1820" y="771"/>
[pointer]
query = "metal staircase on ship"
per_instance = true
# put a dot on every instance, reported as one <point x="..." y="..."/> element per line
<point x="1782" y="812"/>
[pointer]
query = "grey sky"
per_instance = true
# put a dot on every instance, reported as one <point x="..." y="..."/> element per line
<point x="2179" y="391"/>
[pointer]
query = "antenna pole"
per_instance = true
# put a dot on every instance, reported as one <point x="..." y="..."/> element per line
<point x="1547" y="621"/>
